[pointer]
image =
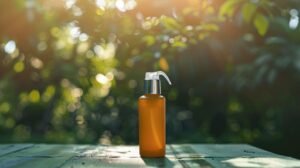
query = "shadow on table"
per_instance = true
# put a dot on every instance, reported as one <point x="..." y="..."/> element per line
<point x="158" y="162"/>
<point x="229" y="156"/>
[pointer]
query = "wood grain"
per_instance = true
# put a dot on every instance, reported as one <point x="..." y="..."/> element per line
<point x="184" y="155"/>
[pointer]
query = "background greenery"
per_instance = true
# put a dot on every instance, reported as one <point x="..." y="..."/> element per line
<point x="72" y="71"/>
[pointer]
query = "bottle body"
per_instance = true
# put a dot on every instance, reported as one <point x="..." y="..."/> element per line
<point x="152" y="125"/>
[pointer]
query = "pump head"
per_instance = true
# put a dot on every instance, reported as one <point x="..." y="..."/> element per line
<point x="152" y="82"/>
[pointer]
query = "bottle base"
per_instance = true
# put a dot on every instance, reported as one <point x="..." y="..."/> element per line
<point x="152" y="154"/>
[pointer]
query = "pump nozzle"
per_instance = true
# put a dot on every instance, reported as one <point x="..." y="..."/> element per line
<point x="152" y="82"/>
<point x="155" y="76"/>
<point x="164" y="75"/>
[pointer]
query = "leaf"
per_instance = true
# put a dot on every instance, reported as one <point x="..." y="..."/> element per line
<point x="272" y="75"/>
<point x="209" y="27"/>
<point x="163" y="64"/>
<point x="261" y="72"/>
<point x="248" y="11"/>
<point x="228" y="8"/>
<point x="178" y="44"/>
<point x="203" y="35"/>
<point x="170" y="23"/>
<point x="149" y="40"/>
<point x="261" y="24"/>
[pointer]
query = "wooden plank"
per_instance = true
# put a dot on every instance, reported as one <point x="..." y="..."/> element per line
<point x="120" y="156"/>
<point x="229" y="150"/>
<point x="42" y="156"/>
<point x="187" y="157"/>
<point x="206" y="155"/>
<point x="254" y="162"/>
<point x="11" y="148"/>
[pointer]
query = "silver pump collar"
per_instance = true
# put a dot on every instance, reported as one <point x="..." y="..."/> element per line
<point x="152" y="87"/>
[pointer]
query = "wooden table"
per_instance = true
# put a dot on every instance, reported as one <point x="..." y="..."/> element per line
<point x="185" y="155"/>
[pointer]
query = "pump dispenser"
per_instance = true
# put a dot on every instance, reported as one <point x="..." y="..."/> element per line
<point x="152" y="117"/>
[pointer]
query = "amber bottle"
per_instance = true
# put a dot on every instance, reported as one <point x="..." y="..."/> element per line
<point x="152" y="117"/>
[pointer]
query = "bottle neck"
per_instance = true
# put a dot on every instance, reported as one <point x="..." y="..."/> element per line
<point x="152" y="87"/>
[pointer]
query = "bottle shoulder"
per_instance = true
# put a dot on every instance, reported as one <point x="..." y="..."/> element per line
<point x="151" y="96"/>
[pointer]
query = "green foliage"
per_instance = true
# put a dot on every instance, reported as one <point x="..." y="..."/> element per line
<point x="229" y="7"/>
<point x="248" y="11"/>
<point x="261" y="24"/>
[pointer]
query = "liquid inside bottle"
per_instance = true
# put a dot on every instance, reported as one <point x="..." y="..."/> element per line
<point x="152" y="125"/>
